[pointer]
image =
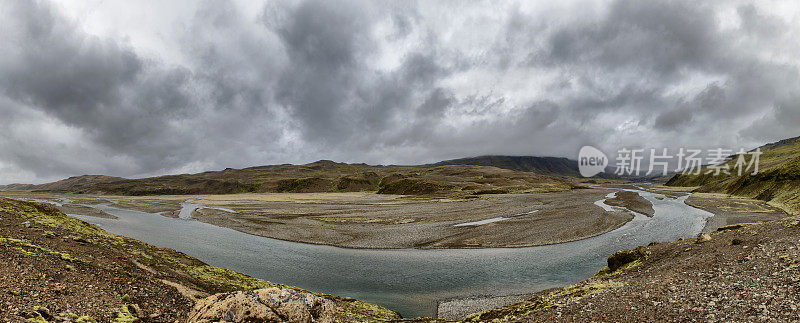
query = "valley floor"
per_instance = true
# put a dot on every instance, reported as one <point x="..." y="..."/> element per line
<point x="524" y="220"/>
<point x="742" y="272"/>
<point x="368" y="220"/>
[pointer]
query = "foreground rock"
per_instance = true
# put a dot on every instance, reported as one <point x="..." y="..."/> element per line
<point x="624" y="258"/>
<point x="263" y="305"/>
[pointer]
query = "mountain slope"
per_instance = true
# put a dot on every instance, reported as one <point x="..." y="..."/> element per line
<point x="545" y="165"/>
<point x="320" y="176"/>
<point x="778" y="179"/>
<point x="17" y="187"/>
<point x="77" y="182"/>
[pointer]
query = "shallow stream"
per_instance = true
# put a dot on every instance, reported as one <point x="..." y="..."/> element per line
<point x="409" y="281"/>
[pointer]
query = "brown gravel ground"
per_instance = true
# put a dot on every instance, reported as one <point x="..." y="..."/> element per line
<point x="533" y="219"/>
<point x="632" y="201"/>
<point x="743" y="273"/>
<point x="733" y="210"/>
<point x="84" y="210"/>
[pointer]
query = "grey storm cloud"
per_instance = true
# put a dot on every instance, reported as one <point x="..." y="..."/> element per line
<point x="209" y="84"/>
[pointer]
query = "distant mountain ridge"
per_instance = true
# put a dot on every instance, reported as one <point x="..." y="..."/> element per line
<point x="17" y="187"/>
<point x="322" y="176"/>
<point x="319" y="176"/>
<point x="780" y="143"/>
<point x="545" y="165"/>
<point x="553" y="166"/>
<point x="67" y="184"/>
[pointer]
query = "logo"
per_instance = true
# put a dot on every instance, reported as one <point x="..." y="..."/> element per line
<point x="719" y="161"/>
<point x="591" y="161"/>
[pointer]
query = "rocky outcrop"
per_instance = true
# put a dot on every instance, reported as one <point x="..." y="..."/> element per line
<point x="274" y="304"/>
<point x="624" y="257"/>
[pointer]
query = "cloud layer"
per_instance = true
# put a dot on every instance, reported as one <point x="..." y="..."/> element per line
<point x="143" y="88"/>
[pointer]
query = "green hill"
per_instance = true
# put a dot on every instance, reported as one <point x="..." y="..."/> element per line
<point x="320" y="176"/>
<point x="553" y="166"/>
<point x="545" y="165"/>
<point x="778" y="179"/>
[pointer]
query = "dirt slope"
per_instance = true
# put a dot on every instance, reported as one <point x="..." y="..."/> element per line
<point x="53" y="267"/>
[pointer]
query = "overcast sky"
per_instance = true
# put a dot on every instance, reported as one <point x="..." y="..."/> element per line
<point x="140" y="88"/>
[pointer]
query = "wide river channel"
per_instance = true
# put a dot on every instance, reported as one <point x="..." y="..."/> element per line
<point x="409" y="281"/>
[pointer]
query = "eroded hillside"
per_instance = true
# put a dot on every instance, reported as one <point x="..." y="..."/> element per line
<point x="778" y="179"/>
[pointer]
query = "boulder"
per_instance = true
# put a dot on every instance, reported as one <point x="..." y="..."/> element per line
<point x="274" y="304"/>
<point x="624" y="257"/>
<point x="704" y="237"/>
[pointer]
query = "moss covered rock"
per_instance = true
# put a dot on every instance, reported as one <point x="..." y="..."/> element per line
<point x="623" y="257"/>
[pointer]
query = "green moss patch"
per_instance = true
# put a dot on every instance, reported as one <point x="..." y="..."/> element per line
<point x="359" y="311"/>
<point x="554" y="299"/>
<point x="223" y="276"/>
<point x="30" y="249"/>
<point x="48" y="215"/>
<point x="606" y="272"/>
<point x="124" y="315"/>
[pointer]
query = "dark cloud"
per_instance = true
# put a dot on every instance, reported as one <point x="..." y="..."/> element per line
<point x="227" y="84"/>
<point x="755" y="22"/>
<point x="96" y="85"/>
<point x="658" y="38"/>
<point x="780" y="120"/>
<point x="672" y="119"/>
<point x="324" y="65"/>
